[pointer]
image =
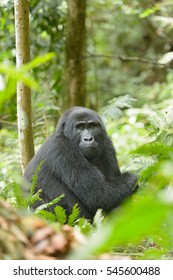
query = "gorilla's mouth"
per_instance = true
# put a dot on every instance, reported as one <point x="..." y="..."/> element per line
<point x="89" y="151"/>
<point x="89" y="146"/>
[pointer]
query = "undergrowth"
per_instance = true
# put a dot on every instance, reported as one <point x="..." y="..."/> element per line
<point x="142" y="226"/>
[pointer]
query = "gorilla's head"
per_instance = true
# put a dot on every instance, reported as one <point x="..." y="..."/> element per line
<point x="85" y="129"/>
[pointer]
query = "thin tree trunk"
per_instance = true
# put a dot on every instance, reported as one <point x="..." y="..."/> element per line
<point x="75" y="66"/>
<point x="26" y="143"/>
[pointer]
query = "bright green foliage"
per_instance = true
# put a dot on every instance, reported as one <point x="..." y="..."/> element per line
<point x="159" y="158"/>
<point x="157" y="153"/>
<point x="149" y="11"/>
<point x="49" y="204"/>
<point x="17" y="196"/>
<point x="156" y="149"/>
<point x="130" y="224"/>
<point x="23" y="74"/>
<point x="84" y="226"/>
<point x="34" y="178"/>
<point x="60" y="214"/>
<point x="125" y="62"/>
<point x="74" y="215"/>
<point x="47" y="215"/>
<point x="132" y="67"/>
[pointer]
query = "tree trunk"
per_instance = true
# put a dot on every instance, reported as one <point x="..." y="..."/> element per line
<point x="75" y="66"/>
<point x="26" y="143"/>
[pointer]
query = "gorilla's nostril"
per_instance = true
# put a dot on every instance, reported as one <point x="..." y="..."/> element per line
<point x="88" y="140"/>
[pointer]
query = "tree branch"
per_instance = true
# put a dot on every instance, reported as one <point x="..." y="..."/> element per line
<point x="129" y="58"/>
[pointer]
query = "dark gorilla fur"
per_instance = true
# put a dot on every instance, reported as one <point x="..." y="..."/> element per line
<point x="79" y="161"/>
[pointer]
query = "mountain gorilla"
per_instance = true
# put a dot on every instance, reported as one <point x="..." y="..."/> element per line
<point x="79" y="160"/>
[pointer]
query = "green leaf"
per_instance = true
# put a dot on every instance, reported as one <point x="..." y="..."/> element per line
<point x="98" y="218"/>
<point x="49" y="204"/>
<point x="18" y="194"/>
<point x="46" y="214"/>
<point x="153" y="254"/>
<point x="60" y="214"/>
<point x="34" y="178"/>
<point x="114" y="108"/>
<point x="20" y="74"/>
<point x="155" y="148"/>
<point x="39" y="60"/>
<point x="84" y="226"/>
<point x="149" y="11"/>
<point x="32" y="198"/>
<point x="131" y="223"/>
<point x="149" y="171"/>
<point x="74" y="215"/>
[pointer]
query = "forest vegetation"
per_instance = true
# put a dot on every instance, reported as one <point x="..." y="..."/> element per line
<point x="115" y="57"/>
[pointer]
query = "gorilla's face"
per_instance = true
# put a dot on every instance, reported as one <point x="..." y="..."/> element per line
<point x="85" y="128"/>
<point x="89" y="133"/>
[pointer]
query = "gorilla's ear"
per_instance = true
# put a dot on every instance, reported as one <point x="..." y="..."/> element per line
<point x="61" y="123"/>
<point x="63" y="120"/>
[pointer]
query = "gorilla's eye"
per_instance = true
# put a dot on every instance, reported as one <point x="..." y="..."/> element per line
<point x="93" y="125"/>
<point x="80" y="125"/>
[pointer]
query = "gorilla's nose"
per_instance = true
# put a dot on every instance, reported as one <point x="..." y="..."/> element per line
<point x="88" y="140"/>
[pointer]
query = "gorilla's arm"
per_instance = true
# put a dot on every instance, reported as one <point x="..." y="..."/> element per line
<point x="107" y="162"/>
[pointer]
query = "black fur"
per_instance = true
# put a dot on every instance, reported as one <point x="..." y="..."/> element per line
<point x="79" y="161"/>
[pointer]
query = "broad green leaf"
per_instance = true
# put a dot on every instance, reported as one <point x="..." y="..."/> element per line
<point x="39" y="60"/>
<point x="131" y="223"/>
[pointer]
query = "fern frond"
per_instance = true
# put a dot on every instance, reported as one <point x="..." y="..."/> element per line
<point x="47" y="215"/>
<point x="18" y="195"/>
<point x="114" y="108"/>
<point x="74" y="215"/>
<point x="158" y="149"/>
<point x="84" y="226"/>
<point x="160" y="128"/>
<point x="60" y="214"/>
<point x="6" y="192"/>
<point x="49" y="204"/>
<point x="34" y="178"/>
<point x="32" y="198"/>
<point x="149" y="171"/>
<point x="98" y="218"/>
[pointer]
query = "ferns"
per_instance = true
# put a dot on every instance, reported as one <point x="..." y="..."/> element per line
<point x="59" y="213"/>
<point x="74" y="215"/>
<point x="161" y="128"/>
<point x="16" y="195"/>
<point x="158" y="153"/>
<point x="115" y="106"/>
<point x="157" y="149"/>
